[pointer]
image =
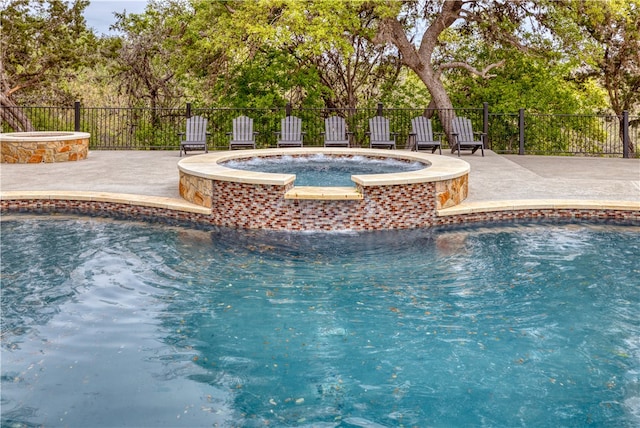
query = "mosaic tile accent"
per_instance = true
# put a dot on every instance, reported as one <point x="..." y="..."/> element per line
<point x="324" y="218"/>
<point x="262" y="206"/>
<point x="254" y="206"/>
<point x="95" y="208"/>
<point x="380" y="201"/>
<point x="248" y="206"/>
<point x="541" y="214"/>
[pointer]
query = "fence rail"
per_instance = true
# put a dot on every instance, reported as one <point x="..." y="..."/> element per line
<point x="116" y="128"/>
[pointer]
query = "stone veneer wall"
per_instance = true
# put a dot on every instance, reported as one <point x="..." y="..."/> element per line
<point x="44" y="151"/>
<point x="450" y="193"/>
<point x="196" y="190"/>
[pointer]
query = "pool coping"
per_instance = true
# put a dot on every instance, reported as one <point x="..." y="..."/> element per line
<point x="110" y="202"/>
<point x="439" y="168"/>
<point x="106" y="197"/>
<point x="324" y="193"/>
<point x="39" y="136"/>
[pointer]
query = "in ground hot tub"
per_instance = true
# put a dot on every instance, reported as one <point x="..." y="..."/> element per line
<point x="44" y="146"/>
<point x="259" y="200"/>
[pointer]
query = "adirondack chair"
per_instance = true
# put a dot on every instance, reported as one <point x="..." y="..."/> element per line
<point x="335" y="132"/>
<point x="464" y="136"/>
<point x="422" y="131"/>
<point x="195" y="137"/>
<point x="243" y="135"/>
<point x="290" y="134"/>
<point x="379" y="135"/>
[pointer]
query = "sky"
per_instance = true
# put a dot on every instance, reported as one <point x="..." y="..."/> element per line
<point x="99" y="13"/>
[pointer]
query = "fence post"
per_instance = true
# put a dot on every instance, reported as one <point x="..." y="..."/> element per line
<point x="485" y="124"/>
<point x="379" y="112"/>
<point x="521" y="128"/>
<point x="625" y="134"/>
<point x="76" y="116"/>
<point x="287" y="110"/>
<point x="188" y="110"/>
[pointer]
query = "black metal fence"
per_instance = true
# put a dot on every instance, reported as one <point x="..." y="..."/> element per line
<point x="115" y="128"/>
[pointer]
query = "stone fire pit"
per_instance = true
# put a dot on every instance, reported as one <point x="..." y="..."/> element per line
<point x="44" y="146"/>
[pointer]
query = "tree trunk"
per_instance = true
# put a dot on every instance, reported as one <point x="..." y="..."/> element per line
<point x="13" y="115"/>
<point x="420" y="60"/>
<point x="441" y="101"/>
<point x="631" y="146"/>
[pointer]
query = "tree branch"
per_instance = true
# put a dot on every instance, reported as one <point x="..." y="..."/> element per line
<point x="392" y="32"/>
<point x="229" y="8"/>
<point x="451" y="11"/>
<point x="471" y="69"/>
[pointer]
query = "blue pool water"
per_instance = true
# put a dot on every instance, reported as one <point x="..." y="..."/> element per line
<point x="324" y="170"/>
<point x="108" y="323"/>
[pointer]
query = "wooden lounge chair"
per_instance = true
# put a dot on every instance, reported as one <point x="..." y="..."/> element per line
<point x="422" y="131"/>
<point x="290" y="134"/>
<point x="335" y="132"/>
<point x="465" y="138"/>
<point x="379" y="135"/>
<point x="243" y="135"/>
<point x="195" y="137"/>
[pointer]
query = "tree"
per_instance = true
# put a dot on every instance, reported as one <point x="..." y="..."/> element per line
<point x="606" y="38"/>
<point x="361" y="70"/>
<point x="499" y="23"/>
<point x="271" y="79"/>
<point x="42" y="44"/>
<point x="327" y="31"/>
<point x="144" y="60"/>
<point x="327" y="45"/>
<point x="540" y="82"/>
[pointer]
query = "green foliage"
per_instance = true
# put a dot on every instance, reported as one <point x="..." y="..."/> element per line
<point x="542" y="84"/>
<point x="612" y="30"/>
<point x="44" y="43"/>
<point x="311" y="53"/>
<point x="532" y="83"/>
<point x="144" y="64"/>
<point x="567" y="56"/>
<point x="407" y="92"/>
<point x="270" y="80"/>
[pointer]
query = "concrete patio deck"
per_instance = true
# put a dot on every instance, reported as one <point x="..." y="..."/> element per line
<point x="495" y="181"/>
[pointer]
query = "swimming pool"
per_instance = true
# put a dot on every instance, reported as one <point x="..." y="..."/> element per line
<point x="109" y="323"/>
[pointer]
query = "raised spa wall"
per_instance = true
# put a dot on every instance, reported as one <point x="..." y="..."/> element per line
<point x="252" y="200"/>
<point x="38" y="147"/>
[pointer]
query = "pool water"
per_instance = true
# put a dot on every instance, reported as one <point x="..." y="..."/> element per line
<point x="324" y="170"/>
<point x="110" y="323"/>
